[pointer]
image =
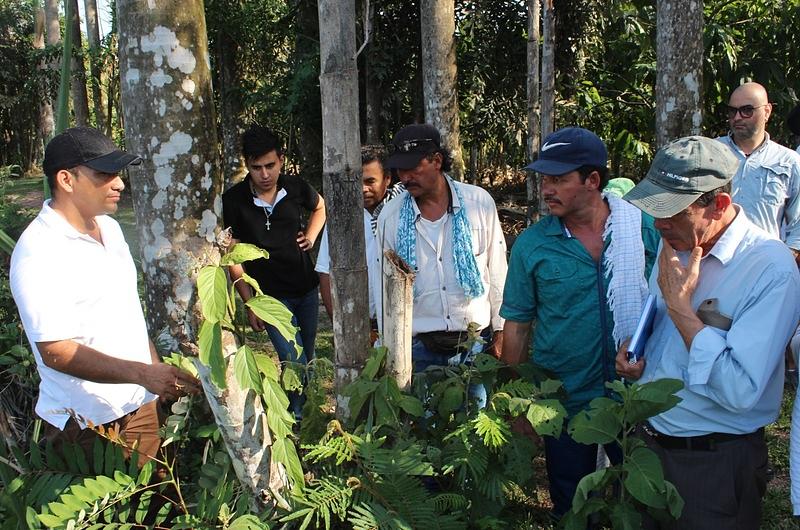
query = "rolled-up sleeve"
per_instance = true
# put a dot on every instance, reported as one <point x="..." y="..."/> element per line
<point x="498" y="268"/>
<point x="791" y="215"/>
<point x="734" y="369"/>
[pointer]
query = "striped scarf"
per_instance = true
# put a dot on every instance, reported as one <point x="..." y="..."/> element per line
<point x="467" y="273"/>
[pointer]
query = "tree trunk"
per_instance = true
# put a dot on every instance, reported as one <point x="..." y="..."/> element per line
<point x="80" y="100"/>
<point x="398" y="306"/>
<point x="47" y="122"/>
<point x="93" y="38"/>
<point x="679" y="61"/>
<point x="309" y="142"/>
<point x="52" y="24"/>
<point x="437" y="24"/>
<point x="372" y="86"/>
<point x="341" y="163"/>
<point x="534" y="140"/>
<point x="169" y="118"/>
<point x="548" y="116"/>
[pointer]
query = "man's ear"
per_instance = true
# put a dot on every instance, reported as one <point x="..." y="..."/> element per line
<point x="437" y="160"/>
<point x="65" y="181"/>
<point x="594" y="179"/>
<point x="722" y="202"/>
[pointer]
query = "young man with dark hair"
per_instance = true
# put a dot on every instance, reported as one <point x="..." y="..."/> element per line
<point x="266" y="209"/>
<point x="580" y="274"/>
<point x="74" y="282"/>
<point x="377" y="190"/>
<point x="727" y="301"/>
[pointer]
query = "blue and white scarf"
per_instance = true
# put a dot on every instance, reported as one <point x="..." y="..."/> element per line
<point x="467" y="273"/>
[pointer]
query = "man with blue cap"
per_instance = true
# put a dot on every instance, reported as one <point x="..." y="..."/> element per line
<point x="581" y="274"/>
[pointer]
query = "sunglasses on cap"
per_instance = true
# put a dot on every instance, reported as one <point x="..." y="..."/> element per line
<point x="411" y="145"/>
<point x="746" y="111"/>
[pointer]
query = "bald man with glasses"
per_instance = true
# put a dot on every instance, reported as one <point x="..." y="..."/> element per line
<point x="767" y="184"/>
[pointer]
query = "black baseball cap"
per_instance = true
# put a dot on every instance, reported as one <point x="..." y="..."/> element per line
<point x="568" y="149"/>
<point x="411" y="144"/>
<point x="85" y="146"/>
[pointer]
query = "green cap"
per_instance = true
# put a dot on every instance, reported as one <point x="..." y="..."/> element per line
<point x="682" y="171"/>
<point x="619" y="186"/>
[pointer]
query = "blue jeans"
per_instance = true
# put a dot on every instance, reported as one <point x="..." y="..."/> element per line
<point x="305" y="313"/>
<point x="422" y="358"/>
<point x="567" y="462"/>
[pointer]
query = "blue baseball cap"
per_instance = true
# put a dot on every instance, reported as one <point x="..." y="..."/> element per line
<point x="568" y="149"/>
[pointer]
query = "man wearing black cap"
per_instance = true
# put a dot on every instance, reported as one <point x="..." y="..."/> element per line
<point x="74" y="282"/>
<point x="581" y="275"/>
<point x="728" y="300"/>
<point x="450" y="235"/>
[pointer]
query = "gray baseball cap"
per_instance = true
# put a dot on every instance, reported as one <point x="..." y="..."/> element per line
<point x="680" y="173"/>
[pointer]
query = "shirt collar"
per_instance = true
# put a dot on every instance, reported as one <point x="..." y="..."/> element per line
<point x="57" y="222"/>
<point x="554" y="227"/>
<point x="454" y="203"/>
<point x="725" y="247"/>
<point x="737" y="149"/>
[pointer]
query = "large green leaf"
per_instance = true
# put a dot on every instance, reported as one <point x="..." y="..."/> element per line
<point x="644" y="478"/>
<point x="674" y="500"/>
<point x="590" y="483"/>
<point x="652" y="398"/>
<point x="283" y="451"/>
<point x="274" y="396"/>
<point x="210" y="344"/>
<point x="242" y="252"/>
<point x="596" y="426"/>
<point x="246" y="369"/>
<point x="546" y="416"/>
<point x="212" y="288"/>
<point x="273" y="312"/>
<point x="452" y="399"/>
<point x="625" y="516"/>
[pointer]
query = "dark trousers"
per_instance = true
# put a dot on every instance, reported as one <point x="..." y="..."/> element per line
<point x="722" y="488"/>
<point x="139" y="428"/>
<point x="567" y="463"/>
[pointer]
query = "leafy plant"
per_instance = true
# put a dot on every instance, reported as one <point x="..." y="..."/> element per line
<point x="618" y="494"/>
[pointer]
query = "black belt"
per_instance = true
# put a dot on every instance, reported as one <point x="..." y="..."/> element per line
<point x="706" y="442"/>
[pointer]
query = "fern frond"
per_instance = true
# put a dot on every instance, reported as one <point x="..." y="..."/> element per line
<point x="494" y="430"/>
<point x="449" y="501"/>
<point x="341" y="450"/>
<point x="326" y="497"/>
<point x="519" y="388"/>
<point x="370" y="516"/>
<point x="403" y="459"/>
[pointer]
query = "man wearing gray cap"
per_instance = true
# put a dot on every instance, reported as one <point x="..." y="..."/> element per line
<point x="728" y="300"/>
<point x="450" y="235"/>
<point x="74" y="282"/>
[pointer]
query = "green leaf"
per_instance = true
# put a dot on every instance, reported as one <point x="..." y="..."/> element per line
<point x="247" y="522"/>
<point x="550" y="386"/>
<point x="246" y="369"/>
<point x="595" y="426"/>
<point x="495" y="431"/>
<point x="451" y="400"/>
<point x="546" y="416"/>
<point x="291" y="378"/>
<point x="674" y="500"/>
<point x="590" y="483"/>
<point x="267" y="367"/>
<point x="210" y="344"/>
<point x="625" y="516"/>
<point x="249" y="280"/>
<point x="242" y="252"/>
<point x="373" y="364"/>
<point x="146" y="473"/>
<point x="283" y="451"/>
<point x="212" y="288"/>
<point x="274" y="396"/>
<point x="644" y="478"/>
<point x="273" y="312"/>
<point x="412" y="406"/>
<point x="650" y="399"/>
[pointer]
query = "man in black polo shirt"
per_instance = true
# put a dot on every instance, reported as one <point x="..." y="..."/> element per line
<point x="266" y="209"/>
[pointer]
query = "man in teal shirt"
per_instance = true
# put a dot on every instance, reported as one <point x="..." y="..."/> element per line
<point x="581" y="275"/>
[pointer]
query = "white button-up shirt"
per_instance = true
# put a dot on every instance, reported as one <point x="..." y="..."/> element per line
<point x="439" y="300"/>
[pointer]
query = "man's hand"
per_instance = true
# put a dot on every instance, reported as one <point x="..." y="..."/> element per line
<point x="168" y="382"/>
<point x="677" y="285"/>
<point x="256" y="323"/>
<point x="496" y="348"/>
<point x="303" y="242"/>
<point x="631" y="372"/>
<point x="677" y="282"/>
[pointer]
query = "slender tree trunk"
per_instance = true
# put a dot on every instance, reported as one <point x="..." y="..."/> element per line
<point x="46" y="120"/>
<point x="372" y="86"/>
<point x="532" y="147"/>
<point x="679" y="61"/>
<point x="440" y="90"/>
<point x="398" y="306"/>
<point x="95" y="81"/>
<point x="80" y="100"/>
<point x="341" y="162"/>
<point x="548" y="101"/>
<point x="52" y="24"/>
<point x="168" y="106"/>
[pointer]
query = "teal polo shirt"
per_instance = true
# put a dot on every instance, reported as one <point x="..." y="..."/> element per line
<point x="554" y="282"/>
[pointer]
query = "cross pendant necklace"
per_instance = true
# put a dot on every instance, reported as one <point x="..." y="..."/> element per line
<point x="267" y="214"/>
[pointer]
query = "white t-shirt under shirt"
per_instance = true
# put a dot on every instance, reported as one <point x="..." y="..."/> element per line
<point x="69" y="286"/>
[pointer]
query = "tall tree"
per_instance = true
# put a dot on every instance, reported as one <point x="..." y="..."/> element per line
<point x="46" y="120"/>
<point x="437" y="25"/>
<point x="80" y="99"/>
<point x="679" y="61"/>
<point x="534" y="93"/>
<point x="341" y="162"/>
<point x="93" y="39"/>
<point x="372" y="83"/>
<point x="548" y="100"/>
<point x="170" y="122"/>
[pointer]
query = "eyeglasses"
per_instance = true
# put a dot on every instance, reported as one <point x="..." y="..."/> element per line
<point x="410" y="145"/>
<point x="746" y="111"/>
